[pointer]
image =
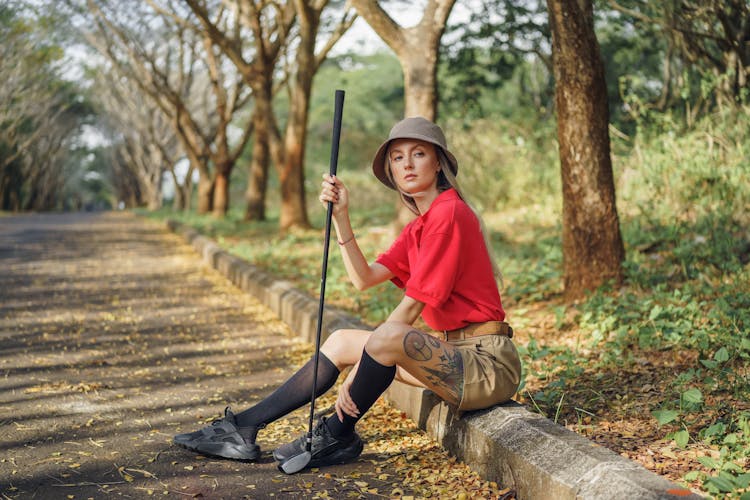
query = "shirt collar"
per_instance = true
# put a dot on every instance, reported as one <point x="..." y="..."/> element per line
<point x="449" y="194"/>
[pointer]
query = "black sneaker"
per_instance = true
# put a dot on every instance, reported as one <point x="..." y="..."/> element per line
<point x="222" y="439"/>
<point x="326" y="449"/>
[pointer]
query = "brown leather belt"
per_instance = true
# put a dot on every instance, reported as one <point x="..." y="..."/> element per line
<point x="478" y="329"/>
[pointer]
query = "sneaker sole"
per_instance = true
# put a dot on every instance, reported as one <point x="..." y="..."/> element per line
<point x="280" y="457"/>
<point x="223" y="450"/>
<point x="339" y="457"/>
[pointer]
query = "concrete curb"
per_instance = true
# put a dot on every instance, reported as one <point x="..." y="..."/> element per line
<point x="506" y="443"/>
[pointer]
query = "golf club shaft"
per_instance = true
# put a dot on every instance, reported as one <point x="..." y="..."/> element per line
<point x="337" y="114"/>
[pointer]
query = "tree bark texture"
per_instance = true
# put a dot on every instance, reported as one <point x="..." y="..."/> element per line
<point x="180" y="198"/>
<point x="205" y="194"/>
<point x="592" y="245"/>
<point x="255" y="194"/>
<point x="259" y="74"/>
<point x="291" y="174"/>
<point x="290" y="164"/>
<point x="221" y="193"/>
<point x="420" y="74"/>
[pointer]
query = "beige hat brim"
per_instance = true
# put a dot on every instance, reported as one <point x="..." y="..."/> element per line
<point x="378" y="162"/>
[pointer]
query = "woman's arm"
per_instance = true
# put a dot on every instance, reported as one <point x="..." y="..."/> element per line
<point x="362" y="274"/>
<point x="407" y="311"/>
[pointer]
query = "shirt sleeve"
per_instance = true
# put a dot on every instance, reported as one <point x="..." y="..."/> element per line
<point x="396" y="259"/>
<point x="434" y="275"/>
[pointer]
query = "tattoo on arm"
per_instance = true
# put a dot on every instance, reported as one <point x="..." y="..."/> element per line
<point x="449" y="372"/>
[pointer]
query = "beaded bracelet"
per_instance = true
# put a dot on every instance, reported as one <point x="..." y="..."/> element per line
<point x="342" y="243"/>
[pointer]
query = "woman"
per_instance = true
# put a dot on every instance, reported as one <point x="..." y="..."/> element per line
<point x="442" y="262"/>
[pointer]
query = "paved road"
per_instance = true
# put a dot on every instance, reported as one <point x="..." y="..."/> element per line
<point x="114" y="337"/>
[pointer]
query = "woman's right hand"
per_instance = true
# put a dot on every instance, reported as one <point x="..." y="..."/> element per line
<point x="333" y="190"/>
<point x="344" y="403"/>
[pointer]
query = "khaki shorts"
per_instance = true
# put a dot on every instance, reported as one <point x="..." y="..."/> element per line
<point x="492" y="370"/>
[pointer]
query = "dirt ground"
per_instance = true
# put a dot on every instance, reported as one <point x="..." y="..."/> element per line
<point x="114" y="337"/>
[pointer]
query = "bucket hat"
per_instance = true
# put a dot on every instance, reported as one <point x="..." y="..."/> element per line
<point x="415" y="127"/>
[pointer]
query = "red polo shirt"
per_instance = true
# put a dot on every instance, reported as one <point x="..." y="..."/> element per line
<point x="440" y="259"/>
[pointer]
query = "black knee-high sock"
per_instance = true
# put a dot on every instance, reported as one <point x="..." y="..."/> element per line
<point x="371" y="380"/>
<point x="294" y="393"/>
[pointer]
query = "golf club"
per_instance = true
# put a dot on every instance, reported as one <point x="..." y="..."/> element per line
<point x="296" y="463"/>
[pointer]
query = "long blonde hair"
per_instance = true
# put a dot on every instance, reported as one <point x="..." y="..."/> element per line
<point x="446" y="180"/>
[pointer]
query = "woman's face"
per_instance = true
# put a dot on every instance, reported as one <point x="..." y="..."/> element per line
<point x="414" y="165"/>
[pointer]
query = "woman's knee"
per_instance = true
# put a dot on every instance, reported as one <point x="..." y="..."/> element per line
<point x="386" y="342"/>
<point x="344" y="347"/>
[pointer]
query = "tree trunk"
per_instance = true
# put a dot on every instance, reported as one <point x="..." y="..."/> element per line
<point x="293" y="206"/>
<point x="188" y="195"/>
<point x="592" y="245"/>
<point x="205" y="194"/>
<point x="178" y="204"/>
<point x="221" y="192"/>
<point x="257" y="184"/>
<point x="154" y="199"/>
<point x="258" y="181"/>
<point x="292" y="175"/>
<point x="420" y="77"/>
<point x="154" y="204"/>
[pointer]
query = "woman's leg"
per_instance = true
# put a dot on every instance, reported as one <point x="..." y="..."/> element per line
<point x="432" y="363"/>
<point x="234" y="435"/>
<point x="435" y="364"/>
<point x="341" y="350"/>
<point x="344" y="347"/>
<point x="334" y="441"/>
<point x="407" y="378"/>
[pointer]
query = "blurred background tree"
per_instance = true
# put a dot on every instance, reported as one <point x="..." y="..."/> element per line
<point x="40" y="114"/>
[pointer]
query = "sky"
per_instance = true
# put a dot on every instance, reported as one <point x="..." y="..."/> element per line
<point x="363" y="39"/>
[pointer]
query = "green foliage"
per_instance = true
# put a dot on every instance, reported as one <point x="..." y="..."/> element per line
<point x="633" y="55"/>
<point x="493" y="54"/>
<point x="670" y="171"/>
<point x="678" y="56"/>
<point x="732" y="438"/>
<point x="505" y="163"/>
<point x="532" y="271"/>
<point x="469" y="77"/>
<point x="374" y="102"/>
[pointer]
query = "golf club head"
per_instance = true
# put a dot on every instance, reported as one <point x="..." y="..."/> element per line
<point x="296" y="463"/>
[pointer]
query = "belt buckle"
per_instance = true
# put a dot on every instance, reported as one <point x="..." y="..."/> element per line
<point x="458" y="334"/>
